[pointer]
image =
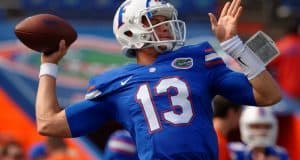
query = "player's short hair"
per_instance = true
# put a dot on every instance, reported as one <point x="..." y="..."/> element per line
<point x="221" y="106"/>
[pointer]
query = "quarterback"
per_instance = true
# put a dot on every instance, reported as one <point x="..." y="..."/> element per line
<point x="164" y="99"/>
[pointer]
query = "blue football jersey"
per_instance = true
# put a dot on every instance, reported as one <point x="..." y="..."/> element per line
<point x="120" y="146"/>
<point x="166" y="106"/>
<point x="240" y="151"/>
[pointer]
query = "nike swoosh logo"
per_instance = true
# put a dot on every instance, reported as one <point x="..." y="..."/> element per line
<point x="125" y="81"/>
<point x="240" y="60"/>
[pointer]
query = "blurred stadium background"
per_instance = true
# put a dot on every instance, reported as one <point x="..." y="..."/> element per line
<point x="96" y="51"/>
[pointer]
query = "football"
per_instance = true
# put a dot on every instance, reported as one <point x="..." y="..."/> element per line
<point x="43" y="32"/>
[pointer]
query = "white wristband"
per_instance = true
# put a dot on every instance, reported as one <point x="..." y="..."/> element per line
<point x="232" y="46"/>
<point x="251" y="65"/>
<point x="48" y="69"/>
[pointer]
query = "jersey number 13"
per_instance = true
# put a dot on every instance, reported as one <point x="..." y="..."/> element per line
<point x="180" y="99"/>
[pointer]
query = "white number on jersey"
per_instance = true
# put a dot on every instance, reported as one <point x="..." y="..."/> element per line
<point x="181" y="99"/>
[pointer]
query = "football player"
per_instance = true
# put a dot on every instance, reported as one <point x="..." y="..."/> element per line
<point x="163" y="100"/>
<point x="120" y="146"/>
<point x="259" y="129"/>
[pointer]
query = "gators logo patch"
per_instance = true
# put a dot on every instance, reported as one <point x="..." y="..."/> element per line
<point x="182" y="63"/>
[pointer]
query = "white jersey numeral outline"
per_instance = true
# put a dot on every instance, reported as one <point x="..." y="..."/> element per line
<point x="181" y="99"/>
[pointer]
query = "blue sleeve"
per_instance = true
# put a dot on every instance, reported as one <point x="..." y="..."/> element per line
<point x="232" y="85"/>
<point x="87" y="116"/>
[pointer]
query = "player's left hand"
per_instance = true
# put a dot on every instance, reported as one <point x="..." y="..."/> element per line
<point x="56" y="56"/>
<point x="226" y="26"/>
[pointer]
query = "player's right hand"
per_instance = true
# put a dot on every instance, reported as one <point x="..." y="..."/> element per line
<point x="56" y="56"/>
<point x="226" y="26"/>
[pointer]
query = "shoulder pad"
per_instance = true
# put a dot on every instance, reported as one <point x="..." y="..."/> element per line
<point x="199" y="48"/>
<point x="105" y="83"/>
<point x="210" y="56"/>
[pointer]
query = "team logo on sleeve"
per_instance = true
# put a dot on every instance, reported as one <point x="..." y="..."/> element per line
<point x="182" y="63"/>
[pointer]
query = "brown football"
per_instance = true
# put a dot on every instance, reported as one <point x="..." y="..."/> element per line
<point x="43" y="32"/>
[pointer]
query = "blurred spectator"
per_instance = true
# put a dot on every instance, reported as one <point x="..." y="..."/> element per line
<point x="12" y="151"/>
<point x="226" y="118"/>
<point x="286" y="66"/>
<point x="120" y="146"/>
<point x="3" y="141"/>
<point x="38" y="152"/>
<point x="259" y="129"/>
<point x="57" y="149"/>
<point x="52" y="149"/>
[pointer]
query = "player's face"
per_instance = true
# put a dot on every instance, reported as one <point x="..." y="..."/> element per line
<point x="163" y="30"/>
<point x="14" y="153"/>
